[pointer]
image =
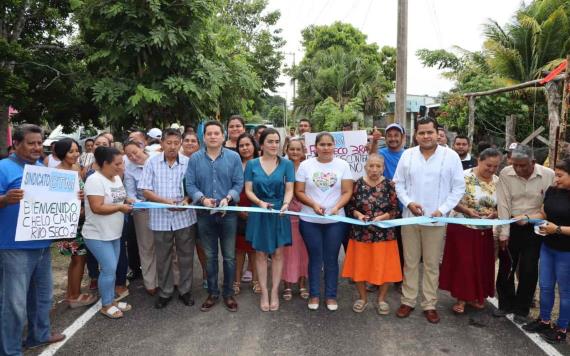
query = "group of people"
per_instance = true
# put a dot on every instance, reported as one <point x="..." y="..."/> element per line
<point x="429" y="179"/>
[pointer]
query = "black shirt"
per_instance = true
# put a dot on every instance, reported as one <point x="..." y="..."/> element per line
<point x="469" y="163"/>
<point x="557" y="209"/>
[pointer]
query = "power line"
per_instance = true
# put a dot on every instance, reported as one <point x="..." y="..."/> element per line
<point x="366" y="14"/>
<point x="320" y="12"/>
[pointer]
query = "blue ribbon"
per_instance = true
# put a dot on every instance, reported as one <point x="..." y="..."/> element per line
<point x="383" y="224"/>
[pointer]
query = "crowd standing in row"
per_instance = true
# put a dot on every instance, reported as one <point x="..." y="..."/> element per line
<point x="429" y="179"/>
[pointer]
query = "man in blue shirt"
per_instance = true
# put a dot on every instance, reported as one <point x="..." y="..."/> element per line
<point x="25" y="267"/>
<point x="215" y="179"/>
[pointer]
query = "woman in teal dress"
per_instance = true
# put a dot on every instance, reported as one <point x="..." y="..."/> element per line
<point x="269" y="183"/>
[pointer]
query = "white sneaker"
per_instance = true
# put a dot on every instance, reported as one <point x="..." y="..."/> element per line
<point x="332" y="307"/>
<point x="247" y="277"/>
<point x="313" y="306"/>
<point x="383" y="308"/>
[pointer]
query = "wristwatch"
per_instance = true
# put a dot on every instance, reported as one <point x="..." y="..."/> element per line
<point x="558" y="230"/>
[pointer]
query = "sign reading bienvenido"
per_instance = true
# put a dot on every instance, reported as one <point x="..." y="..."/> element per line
<point x="349" y="145"/>
<point x="50" y="208"/>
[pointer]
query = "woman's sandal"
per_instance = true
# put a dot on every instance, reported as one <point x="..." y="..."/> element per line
<point x="112" y="312"/>
<point x="264" y="306"/>
<point x="256" y="287"/>
<point x="83" y="300"/>
<point x="359" y="306"/>
<point x="304" y="293"/>
<point x="287" y="294"/>
<point x="123" y="306"/>
<point x="236" y="287"/>
<point x="458" y="308"/>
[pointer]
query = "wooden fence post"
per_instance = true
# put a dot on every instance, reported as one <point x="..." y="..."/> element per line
<point x="552" y="91"/>
<point x="471" y="125"/>
<point x="510" y="125"/>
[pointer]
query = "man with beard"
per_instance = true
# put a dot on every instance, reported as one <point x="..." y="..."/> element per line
<point x="429" y="182"/>
<point x="461" y="145"/>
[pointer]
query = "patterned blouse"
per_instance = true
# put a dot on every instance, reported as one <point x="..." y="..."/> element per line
<point x="479" y="196"/>
<point x="373" y="202"/>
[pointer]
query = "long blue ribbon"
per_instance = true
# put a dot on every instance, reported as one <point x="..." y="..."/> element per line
<point x="383" y="224"/>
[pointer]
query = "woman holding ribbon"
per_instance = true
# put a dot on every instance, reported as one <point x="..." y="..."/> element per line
<point x="324" y="186"/>
<point x="247" y="149"/>
<point x="296" y="259"/>
<point x="105" y="206"/>
<point x="468" y="267"/>
<point x="555" y="257"/>
<point x="372" y="255"/>
<point x="269" y="183"/>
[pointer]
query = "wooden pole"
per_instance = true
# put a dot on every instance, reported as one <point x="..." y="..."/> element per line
<point x="513" y="87"/>
<point x="471" y="125"/>
<point x="402" y="63"/>
<point x="553" y="101"/>
<point x="565" y="105"/>
<point x="510" y="125"/>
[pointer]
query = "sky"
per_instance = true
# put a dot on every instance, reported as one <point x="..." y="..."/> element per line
<point x="432" y="24"/>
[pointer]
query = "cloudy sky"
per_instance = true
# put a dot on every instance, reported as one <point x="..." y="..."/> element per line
<point x="432" y="24"/>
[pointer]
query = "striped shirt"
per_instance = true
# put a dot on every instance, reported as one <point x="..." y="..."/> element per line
<point x="168" y="183"/>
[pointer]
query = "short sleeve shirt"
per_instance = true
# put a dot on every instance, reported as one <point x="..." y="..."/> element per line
<point x="323" y="184"/>
<point x="103" y="227"/>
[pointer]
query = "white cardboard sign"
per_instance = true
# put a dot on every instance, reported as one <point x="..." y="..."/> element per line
<point x="349" y="145"/>
<point x="50" y="208"/>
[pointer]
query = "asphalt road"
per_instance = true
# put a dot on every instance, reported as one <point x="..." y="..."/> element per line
<point x="293" y="330"/>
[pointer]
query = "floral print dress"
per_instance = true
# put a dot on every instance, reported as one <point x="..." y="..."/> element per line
<point x="479" y="196"/>
<point x="75" y="247"/>
<point x="373" y="202"/>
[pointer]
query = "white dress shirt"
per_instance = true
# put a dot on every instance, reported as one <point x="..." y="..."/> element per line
<point x="436" y="183"/>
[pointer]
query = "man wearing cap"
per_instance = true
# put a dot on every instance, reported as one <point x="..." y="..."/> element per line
<point x="155" y="136"/>
<point x="520" y="193"/>
<point x="462" y="145"/>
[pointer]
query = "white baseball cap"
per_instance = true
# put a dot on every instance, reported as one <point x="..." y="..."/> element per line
<point x="155" y="133"/>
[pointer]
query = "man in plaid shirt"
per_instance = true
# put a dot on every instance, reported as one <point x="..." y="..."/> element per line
<point x="162" y="182"/>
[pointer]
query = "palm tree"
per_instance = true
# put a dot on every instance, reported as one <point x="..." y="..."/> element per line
<point x="538" y="39"/>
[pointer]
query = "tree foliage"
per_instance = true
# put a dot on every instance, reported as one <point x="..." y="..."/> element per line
<point x="340" y="64"/>
<point x="40" y="72"/>
<point x="536" y="40"/>
<point x="162" y="61"/>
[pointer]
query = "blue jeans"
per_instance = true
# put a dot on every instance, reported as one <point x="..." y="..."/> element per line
<point x="554" y="268"/>
<point x="211" y="229"/>
<point x="107" y="254"/>
<point x="323" y="244"/>
<point x="123" y="265"/>
<point x="24" y="275"/>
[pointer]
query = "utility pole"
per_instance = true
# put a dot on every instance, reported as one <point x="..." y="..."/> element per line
<point x="402" y="62"/>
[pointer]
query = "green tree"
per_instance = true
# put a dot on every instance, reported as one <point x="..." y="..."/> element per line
<point x="40" y="75"/>
<point x="340" y="64"/>
<point x="329" y="116"/>
<point x="536" y="40"/>
<point x="168" y="60"/>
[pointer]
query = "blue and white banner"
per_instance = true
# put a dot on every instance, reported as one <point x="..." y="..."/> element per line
<point x="383" y="224"/>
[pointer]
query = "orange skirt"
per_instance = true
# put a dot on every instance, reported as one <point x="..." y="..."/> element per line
<point x="376" y="263"/>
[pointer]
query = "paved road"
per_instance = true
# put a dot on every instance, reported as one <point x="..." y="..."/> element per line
<point x="293" y="330"/>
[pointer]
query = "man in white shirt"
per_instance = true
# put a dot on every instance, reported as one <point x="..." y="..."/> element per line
<point x="429" y="182"/>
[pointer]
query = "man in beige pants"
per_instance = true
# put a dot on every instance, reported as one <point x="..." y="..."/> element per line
<point x="429" y="182"/>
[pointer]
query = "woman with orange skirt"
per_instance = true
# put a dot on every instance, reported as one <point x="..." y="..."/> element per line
<point x="372" y="256"/>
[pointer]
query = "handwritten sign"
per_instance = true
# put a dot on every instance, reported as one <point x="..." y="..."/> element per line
<point x="349" y="145"/>
<point x="50" y="208"/>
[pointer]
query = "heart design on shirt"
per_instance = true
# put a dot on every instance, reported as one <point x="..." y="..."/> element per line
<point x="324" y="180"/>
